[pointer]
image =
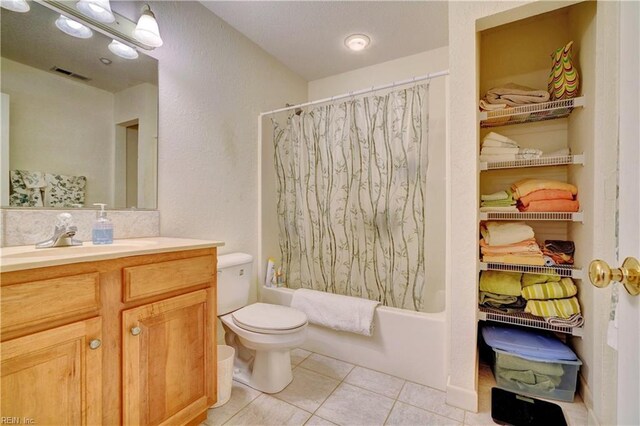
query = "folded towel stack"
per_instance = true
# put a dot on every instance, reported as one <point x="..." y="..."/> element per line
<point x="496" y="147"/>
<point x="498" y="201"/>
<point x="513" y="95"/>
<point x="501" y="290"/>
<point x="509" y="242"/>
<point x="557" y="252"/>
<point x="544" y="195"/>
<point x="550" y="296"/>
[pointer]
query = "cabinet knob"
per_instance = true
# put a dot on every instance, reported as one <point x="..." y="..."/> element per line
<point x="601" y="274"/>
<point x="136" y="330"/>
<point x="95" y="344"/>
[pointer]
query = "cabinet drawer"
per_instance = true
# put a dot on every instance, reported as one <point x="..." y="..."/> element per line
<point x="38" y="302"/>
<point x="150" y="280"/>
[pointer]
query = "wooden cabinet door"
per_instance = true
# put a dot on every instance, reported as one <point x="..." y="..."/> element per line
<point x="54" y="377"/>
<point x="169" y="360"/>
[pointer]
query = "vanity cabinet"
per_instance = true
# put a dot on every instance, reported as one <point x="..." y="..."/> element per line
<point x="55" y="376"/>
<point x="166" y="360"/>
<point x="127" y="340"/>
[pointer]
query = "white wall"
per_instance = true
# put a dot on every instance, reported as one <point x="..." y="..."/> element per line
<point x="213" y="84"/>
<point x="139" y="103"/>
<point x="402" y="69"/>
<point x="55" y="122"/>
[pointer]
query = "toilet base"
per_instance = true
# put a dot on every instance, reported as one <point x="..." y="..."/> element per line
<point x="266" y="371"/>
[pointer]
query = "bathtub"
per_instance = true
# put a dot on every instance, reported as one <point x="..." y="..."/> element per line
<point x="417" y="353"/>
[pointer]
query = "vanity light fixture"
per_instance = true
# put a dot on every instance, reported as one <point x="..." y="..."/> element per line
<point x="73" y="28"/>
<point x="15" y="5"/>
<point x="357" y="42"/>
<point x="122" y="50"/>
<point x="100" y="10"/>
<point x="147" y="31"/>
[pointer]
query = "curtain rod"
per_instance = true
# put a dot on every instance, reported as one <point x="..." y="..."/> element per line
<point x="360" y="92"/>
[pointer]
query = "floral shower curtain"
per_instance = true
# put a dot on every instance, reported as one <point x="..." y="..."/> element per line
<point x="351" y="197"/>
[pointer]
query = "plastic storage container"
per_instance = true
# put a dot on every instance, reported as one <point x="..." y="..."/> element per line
<point x="226" y="355"/>
<point x="532" y="363"/>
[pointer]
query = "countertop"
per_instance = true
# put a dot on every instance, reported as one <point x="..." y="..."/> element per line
<point x="28" y="257"/>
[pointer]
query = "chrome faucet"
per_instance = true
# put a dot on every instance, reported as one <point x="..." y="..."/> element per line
<point x="63" y="233"/>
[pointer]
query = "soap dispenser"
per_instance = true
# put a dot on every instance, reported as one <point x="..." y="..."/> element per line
<point x="102" y="227"/>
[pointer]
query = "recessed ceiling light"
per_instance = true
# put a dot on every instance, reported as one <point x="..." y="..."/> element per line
<point x="15" y="5"/>
<point x="106" y="61"/>
<point x="357" y="42"/>
<point x="73" y="28"/>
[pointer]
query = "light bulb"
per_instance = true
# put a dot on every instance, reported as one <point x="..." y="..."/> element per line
<point x="122" y="50"/>
<point x="73" y="28"/>
<point x="100" y="10"/>
<point x="147" y="31"/>
<point x="15" y="5"/>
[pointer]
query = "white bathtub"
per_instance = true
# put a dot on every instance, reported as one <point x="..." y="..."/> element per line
<point x="406" y="344"/>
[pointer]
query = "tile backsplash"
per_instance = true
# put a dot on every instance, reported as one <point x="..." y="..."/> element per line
<point x="24" y="227"/>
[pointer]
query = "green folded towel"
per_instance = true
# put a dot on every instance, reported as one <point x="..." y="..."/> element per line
<point x="512" y="362"/>
<point x="499" y="203"/>
<point x="550" y="290"/>
<point x="498" y="282"/>
<point x="498" y="196"/>
<point x="531" y="279"/>
<point x="496" y="299"/>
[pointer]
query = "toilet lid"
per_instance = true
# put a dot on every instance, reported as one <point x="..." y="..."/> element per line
<point x="267" y="318"/>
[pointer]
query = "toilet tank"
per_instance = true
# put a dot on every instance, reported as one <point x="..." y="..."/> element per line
<point x="234" y="281"/>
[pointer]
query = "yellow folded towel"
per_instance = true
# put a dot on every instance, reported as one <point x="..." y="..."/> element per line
<point x="531" y="279"/>
<point x="550" y="290"/>
<point x="562" y="308"/>
<point x="513" y="259"/>
<point x="498" y="282"/>
<point x="503" y="233"/>
<point x="527" y="186"/>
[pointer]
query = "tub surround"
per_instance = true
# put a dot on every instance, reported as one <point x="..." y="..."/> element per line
<point x="87" y="329"/>
<point x="405" y="344"/>
<point x="28" y="226"/>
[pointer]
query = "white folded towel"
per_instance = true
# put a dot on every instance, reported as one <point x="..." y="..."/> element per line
<point x="498" y="151"/>
<point x="501" y="138"/>
<point x="497" y="144"/>
<point x="344" y="313"/>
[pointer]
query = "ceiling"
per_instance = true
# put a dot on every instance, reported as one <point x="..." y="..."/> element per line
<point x="308" y="36"/>
<point x="33" y="39"/>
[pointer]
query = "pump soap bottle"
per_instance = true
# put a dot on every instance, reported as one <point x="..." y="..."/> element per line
<point x="102" y="227"/>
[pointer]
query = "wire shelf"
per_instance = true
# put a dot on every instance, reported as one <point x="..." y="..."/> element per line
<point x="530" y="113"/>
<point x="561" y="160"/>
<point x="539" y="216"/>
<point x="562" y="270"/>
<point x="525" y="320"/>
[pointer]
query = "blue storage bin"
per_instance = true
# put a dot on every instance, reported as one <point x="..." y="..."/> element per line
<point x="532" y="363"/>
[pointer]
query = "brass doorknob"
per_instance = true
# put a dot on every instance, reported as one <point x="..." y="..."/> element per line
<point x="601" y="275"/>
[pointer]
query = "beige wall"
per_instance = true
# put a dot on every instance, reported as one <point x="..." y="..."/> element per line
<point x="138" y="103"/>
<point x="60" y="126"/>
<point x="213" y="84"/>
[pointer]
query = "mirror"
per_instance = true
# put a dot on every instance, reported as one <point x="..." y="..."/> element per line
<point x="79" y="124"/>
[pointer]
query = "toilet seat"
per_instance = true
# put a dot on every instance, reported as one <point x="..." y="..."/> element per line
<point x="269" y="319"/>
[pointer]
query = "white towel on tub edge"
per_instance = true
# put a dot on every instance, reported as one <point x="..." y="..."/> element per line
<point x="343" y="313"/>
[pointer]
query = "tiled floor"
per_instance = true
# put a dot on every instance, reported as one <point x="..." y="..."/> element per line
<point x="327" y="391"/>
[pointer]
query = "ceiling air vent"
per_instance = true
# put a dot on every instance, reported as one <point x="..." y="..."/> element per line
<point x="69" y="73"/>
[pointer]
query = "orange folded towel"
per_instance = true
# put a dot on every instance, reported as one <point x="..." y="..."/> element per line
<point x="546" y="194"/>
<point x="535" y="260"/>
<point x="527" y="186"/>
<point x="552" y="206"/>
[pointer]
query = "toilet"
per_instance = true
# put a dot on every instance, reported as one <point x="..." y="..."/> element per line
<point x="262" y="334"/>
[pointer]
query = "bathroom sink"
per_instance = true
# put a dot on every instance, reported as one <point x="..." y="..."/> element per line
<point x="27" y="257"/>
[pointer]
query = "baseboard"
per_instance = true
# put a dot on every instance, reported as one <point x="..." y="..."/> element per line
<point x="461" y="397"/>
<point x="587" y="398"/>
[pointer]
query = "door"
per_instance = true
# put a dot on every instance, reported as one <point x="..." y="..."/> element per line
<point x="54" y="377"/>
<point x="168" y="360"/>
<point x="628" y="315"/>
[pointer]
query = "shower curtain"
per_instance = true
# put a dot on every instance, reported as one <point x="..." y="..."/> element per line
<point x="351" y="197"/>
